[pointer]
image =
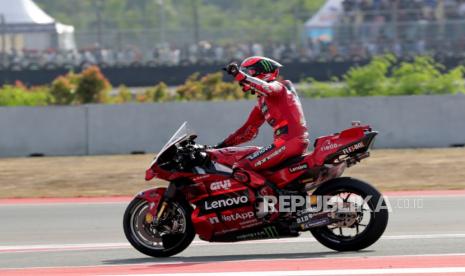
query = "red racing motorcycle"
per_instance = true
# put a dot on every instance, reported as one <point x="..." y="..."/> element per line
<point x="304" y="193"/>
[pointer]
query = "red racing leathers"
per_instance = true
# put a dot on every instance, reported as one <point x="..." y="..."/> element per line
<point x="280" y="106"/>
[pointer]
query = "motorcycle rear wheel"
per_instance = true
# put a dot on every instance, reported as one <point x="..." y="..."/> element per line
<point x="374" y="227"/>
<point x="147" y="240"/>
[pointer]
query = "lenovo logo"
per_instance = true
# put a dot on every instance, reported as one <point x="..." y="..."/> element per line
<point x="298" y="168"/>
<point x="222" y="203"/>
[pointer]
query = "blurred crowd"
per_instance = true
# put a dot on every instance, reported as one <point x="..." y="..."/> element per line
<point x="401" y="27"/>
<point x="206" y="53"/>
<point x="357" y="11"/>
<point x="202" y="53"/>
<point x="366" y="28"/>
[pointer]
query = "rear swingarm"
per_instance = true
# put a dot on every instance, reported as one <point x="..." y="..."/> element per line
<point x="310" y="220"/>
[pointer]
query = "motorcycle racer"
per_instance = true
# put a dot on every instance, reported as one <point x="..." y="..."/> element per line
<point x="278" y="104"/>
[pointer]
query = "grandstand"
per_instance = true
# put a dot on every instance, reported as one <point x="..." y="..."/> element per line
<point x="357" y="30"/>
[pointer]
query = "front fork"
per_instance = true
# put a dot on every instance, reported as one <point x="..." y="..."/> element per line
<point x="162" y="209"/>
<point x="158" y="209"/>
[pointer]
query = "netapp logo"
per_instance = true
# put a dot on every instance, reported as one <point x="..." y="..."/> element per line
<point x="221" y="185"/>
<point x="298" y="168"/>
<point x="233" y="217"/>
<point x="222" y="203"/>
<point x="236" y="216"/>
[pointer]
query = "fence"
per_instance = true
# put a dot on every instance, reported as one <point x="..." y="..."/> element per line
<point x="175" y="75"/>
<point x="403" y="122"/>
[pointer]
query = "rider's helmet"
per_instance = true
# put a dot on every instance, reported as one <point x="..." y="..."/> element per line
<point x="261" y="67"/>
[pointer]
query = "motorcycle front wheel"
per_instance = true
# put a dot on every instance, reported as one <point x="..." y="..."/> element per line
<point x="363" y="230"/>
<point x="169" y="236"/>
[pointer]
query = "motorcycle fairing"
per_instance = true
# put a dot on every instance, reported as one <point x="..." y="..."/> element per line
<point x="224" y="223"/>
<point x="212" y="215"/>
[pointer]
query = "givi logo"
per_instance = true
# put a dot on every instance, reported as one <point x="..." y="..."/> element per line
<point x="221" y="185"/>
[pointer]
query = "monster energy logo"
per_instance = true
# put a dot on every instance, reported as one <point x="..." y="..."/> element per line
<point x="267" y="65"/>
<point x="271" y="232"/>
<point x="267" y="232"/>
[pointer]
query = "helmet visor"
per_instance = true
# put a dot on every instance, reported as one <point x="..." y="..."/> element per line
<point x="250" y="71"/>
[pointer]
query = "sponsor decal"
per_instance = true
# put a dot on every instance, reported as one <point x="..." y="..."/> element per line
<point x="224" y="201"/>
<point x="250" y="223"/>
<point x="257" y="154"/>
<point x="329" y="146"/>
<point x="267" y="232"/>
<point x="304" y="218"/>
<point x="221" y="185"/>
<point x="221" y="203"/>
<point x="316" y="223"/>
<point x="281" y="130"/>
<point x="250" y="236"/>
<point x="299" y="167"/>
<point x="200" y="177"/>
<point x="353" y="148"/>
<point x="272" y="155"/>
<point x="238" y="216"/>
<point x="267" y="66"/>
<point x="271" y="232"/>
<point x="214" y="220"/>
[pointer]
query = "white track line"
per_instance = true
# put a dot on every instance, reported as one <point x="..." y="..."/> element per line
<point x="380" y="271"/>
<point x="119" y="245"/>
<point x="335" y="258"/>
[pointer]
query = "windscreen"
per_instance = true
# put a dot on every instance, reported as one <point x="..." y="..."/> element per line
<point x="183" y="132"/>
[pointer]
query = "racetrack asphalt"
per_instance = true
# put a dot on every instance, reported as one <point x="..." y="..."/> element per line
<point x="426" y="234"/>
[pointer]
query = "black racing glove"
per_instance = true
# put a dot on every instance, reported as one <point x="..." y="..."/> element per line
<point x="232" y="69"/>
